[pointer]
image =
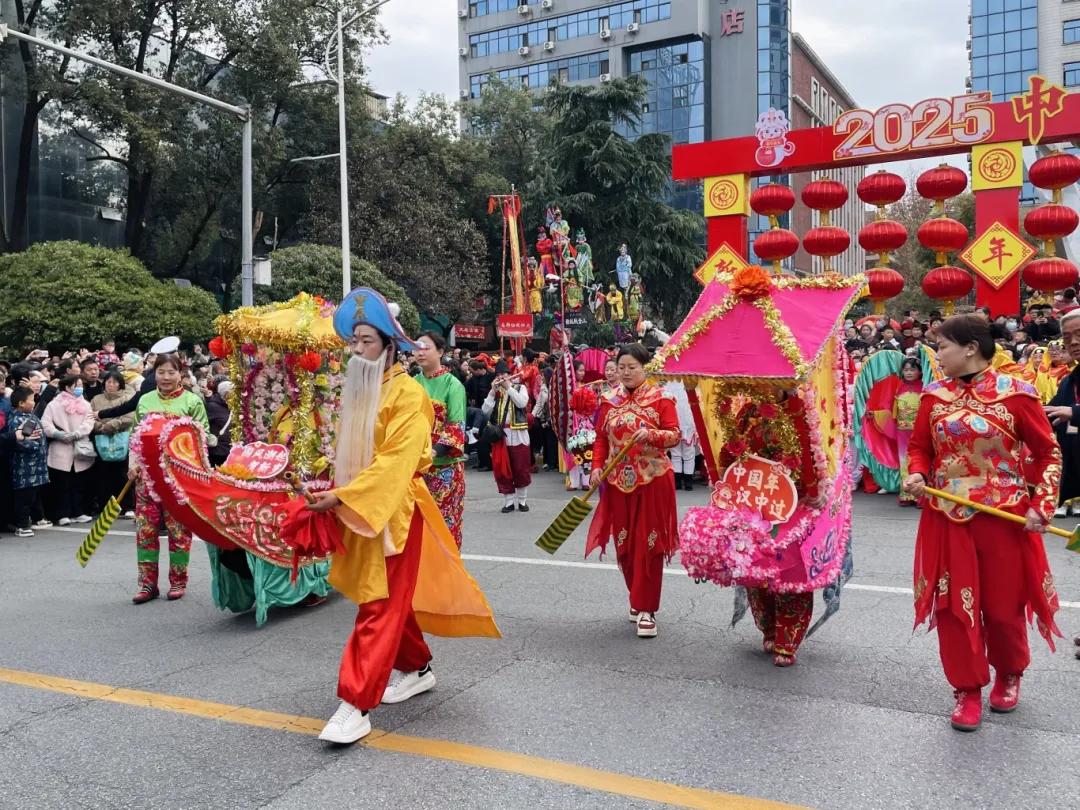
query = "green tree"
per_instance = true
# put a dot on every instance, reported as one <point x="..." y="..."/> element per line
<point x="614" y="187"/>
<point x="64" y="295"/>
<point x="316" y="269"/>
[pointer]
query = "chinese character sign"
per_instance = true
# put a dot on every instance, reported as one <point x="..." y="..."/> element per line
<point x="759" y="485"/>
<point x="258" y="460"/>
<point x="731" y="22"/>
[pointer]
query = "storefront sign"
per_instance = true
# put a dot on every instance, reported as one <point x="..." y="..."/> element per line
<point x="515" y="326"/>
<point x="731" y="21"/>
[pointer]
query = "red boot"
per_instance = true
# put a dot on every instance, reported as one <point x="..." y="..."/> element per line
<point x="1005" y="694"/>
<point x="967" y="715"/>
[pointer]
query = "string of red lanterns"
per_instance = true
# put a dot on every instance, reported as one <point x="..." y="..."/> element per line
<point x="1051" y="222"/>
<point x="882" y="236"/>
<point x="777" y="244"/>
<point x="944" y="235"/>
<point x="826" y="240"/>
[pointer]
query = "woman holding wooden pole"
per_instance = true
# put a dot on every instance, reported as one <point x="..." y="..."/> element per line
<point x="977" y="576"/>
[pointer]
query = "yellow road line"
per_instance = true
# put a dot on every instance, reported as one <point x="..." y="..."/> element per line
<point x="493" y="759"/>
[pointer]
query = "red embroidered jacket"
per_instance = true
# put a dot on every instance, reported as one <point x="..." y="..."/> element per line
<point x="621" y="415"/>
<point x="969" y="440"/>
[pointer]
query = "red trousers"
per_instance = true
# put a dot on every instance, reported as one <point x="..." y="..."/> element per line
<point x="644" y="575"/>
<point x="386" y="635"/>
<point x="1002" y="603"/>
<point x="782" y="618"/>
<point x="515" y="471"/>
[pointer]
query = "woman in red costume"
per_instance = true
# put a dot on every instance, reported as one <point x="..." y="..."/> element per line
<point x="637" y="507"/>
<point x="978" y="576"/>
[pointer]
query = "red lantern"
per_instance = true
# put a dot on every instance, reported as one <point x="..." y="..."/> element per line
<point x="220" y="347"/>
<point x="826" y="240"/>
<point x="943" y="235"/>
<point x="1051" y="222"/>
<point x="1050" y="274"/>
<point x="884" y="283"/>
<point x="941" y="183"/>
<point x="310" y="361"/>
<point x="881" y="188"/>
<point x="1055" y="171"/>
<point x="772" y="200"/>
<point x="882" y="236"/>
<point x="775" y="246"/>
<point x="948" y="284"/>
<point x="824" y="195"/>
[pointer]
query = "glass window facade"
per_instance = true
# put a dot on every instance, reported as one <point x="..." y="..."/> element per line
<point x="678" y="86"/>
<point x="1070" y="32"/>
<point x="1004" y="46"/>
<point x="571" y="69"/>
<point x="773" y="50"/>
<point x="568" y="26"/>
<point x="481" y="8"/>
<point x="1072" y="74"/>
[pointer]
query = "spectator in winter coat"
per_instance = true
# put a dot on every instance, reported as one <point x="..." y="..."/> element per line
<point x="68" y="423"/>
<point x="217" y="411"/>
<point x="110" y="437"/>
<point x="29" y="470"/>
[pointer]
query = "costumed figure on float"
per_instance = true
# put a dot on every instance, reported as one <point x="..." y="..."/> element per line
<point x="624" y="266"/>
<point x="769" y="383"/>
<point x="584" y="260"/>
<point x="887" y="390"/>
<point x="398" y="560"/>
<point x="977" y="576"/>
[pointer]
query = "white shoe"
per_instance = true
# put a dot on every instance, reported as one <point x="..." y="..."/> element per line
<point x="634" y="616"/>
<point x="129" y="515"/>
<point x="348" y="725"/>
<point x="84" y="519"/>
<point x="65" y="521"/>
<point x="24" y="532"/>
<point x="646" y="625"/>
<point x="404" y="685"/>
<point x="43" y="524"/>
<point x="1061" y="511"/>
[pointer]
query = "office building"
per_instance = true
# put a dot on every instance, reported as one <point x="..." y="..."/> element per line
<point x="713" y="67"/>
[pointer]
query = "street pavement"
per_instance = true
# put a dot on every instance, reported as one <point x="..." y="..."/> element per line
<point x="861" y="721"/>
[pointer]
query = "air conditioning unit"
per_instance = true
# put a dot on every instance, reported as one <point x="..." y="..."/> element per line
<point x="463" y="53"/>
<point x="549" y="46"/>
<point x="524" y="9"/>
<point x="523" y="51"/>
<point x="633" y="28"/>
<point x="548" y="5"/>
<point x="605" y="34"/>
<point x="967" y="83"/>
<point x="464" y="94"/>
<point x="463" y="13"/>
<point x="605" y="78"/>
<point x="968" y="45"/>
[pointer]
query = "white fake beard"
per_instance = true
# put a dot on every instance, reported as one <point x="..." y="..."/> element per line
<point x="361" y="396"/>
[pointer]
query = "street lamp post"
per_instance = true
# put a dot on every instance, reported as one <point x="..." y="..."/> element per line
<point x="243" y="113"/>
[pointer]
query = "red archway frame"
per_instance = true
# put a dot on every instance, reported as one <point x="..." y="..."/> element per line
<point x="994" y="134"/>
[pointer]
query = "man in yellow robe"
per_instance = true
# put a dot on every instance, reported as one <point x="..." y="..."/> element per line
<point x="401" y="565"/>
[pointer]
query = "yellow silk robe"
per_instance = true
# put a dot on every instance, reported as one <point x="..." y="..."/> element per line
<point x="377" y="510"/>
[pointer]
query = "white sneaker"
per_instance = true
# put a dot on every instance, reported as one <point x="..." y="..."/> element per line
<point x="348" y="725"/>
<point x="65" y="521"/>
<point x="634" y="616"/>
<point x="84" y="519"/>
<point x="129" y="515"/>
<point x="43" y="524"/>
<point x="1061" y="511"/>
<point x="404" y="685"/>
<point x="646" y="625"/>
<point x="24" y="532"/>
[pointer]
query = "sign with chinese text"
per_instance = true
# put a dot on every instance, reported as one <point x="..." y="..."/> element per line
<point x="515" y="326"/>
<point x="723" y="260"/>
<point x="575" y="320"/>
<point x="465" y="331"/>
<point x="999" y="165"/>
<point x="997" y="254"/>
<point x="731" y="21"/>
<point x="726" y="196"/>
<point x="760" y="485"/>
<point x="257" y="460"/>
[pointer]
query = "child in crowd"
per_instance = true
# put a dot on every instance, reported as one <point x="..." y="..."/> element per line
<point x="905" y="409"/>
<point x="29" y="468"/>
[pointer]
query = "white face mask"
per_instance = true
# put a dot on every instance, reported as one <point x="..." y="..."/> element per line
<point x="1010" y="325"/>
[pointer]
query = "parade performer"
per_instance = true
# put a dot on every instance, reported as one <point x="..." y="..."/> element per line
<point x="584" y="259"/>
<point x="511" y="455"/>
<point x="637" y="507"/>
<point x="624" y="265"/>
<point x="905" y="409"/>
<point x="446" y="478"/>
<point x="1063" y="413"/>
<point x="400" y="565"/>
<point x="684" y="454"/>
<point x="977" y="576"/>
<point x="1054" y="368"/>
<point x="168" y="397"/>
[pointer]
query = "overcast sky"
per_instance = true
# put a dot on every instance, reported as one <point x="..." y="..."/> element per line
<point x="881" y="51"/>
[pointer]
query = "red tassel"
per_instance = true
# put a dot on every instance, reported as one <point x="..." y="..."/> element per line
<point x="310" y="535"/>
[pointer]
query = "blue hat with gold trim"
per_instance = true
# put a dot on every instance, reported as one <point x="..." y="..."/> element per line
<point x="365" y="305"/>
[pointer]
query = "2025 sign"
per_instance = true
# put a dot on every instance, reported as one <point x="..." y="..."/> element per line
<point x="931" y="124"/>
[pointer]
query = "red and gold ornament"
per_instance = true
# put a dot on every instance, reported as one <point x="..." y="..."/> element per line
<point x="944" y="235"/>
<point x="882" y="236"/>
<point x="1051" y="222"/>
<point x="777" y="244"/>
<point x="826" y="240"/>
<point x="220" y="347"/>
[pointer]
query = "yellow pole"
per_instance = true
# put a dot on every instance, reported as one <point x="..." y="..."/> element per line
<point x="990" y="510"/>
